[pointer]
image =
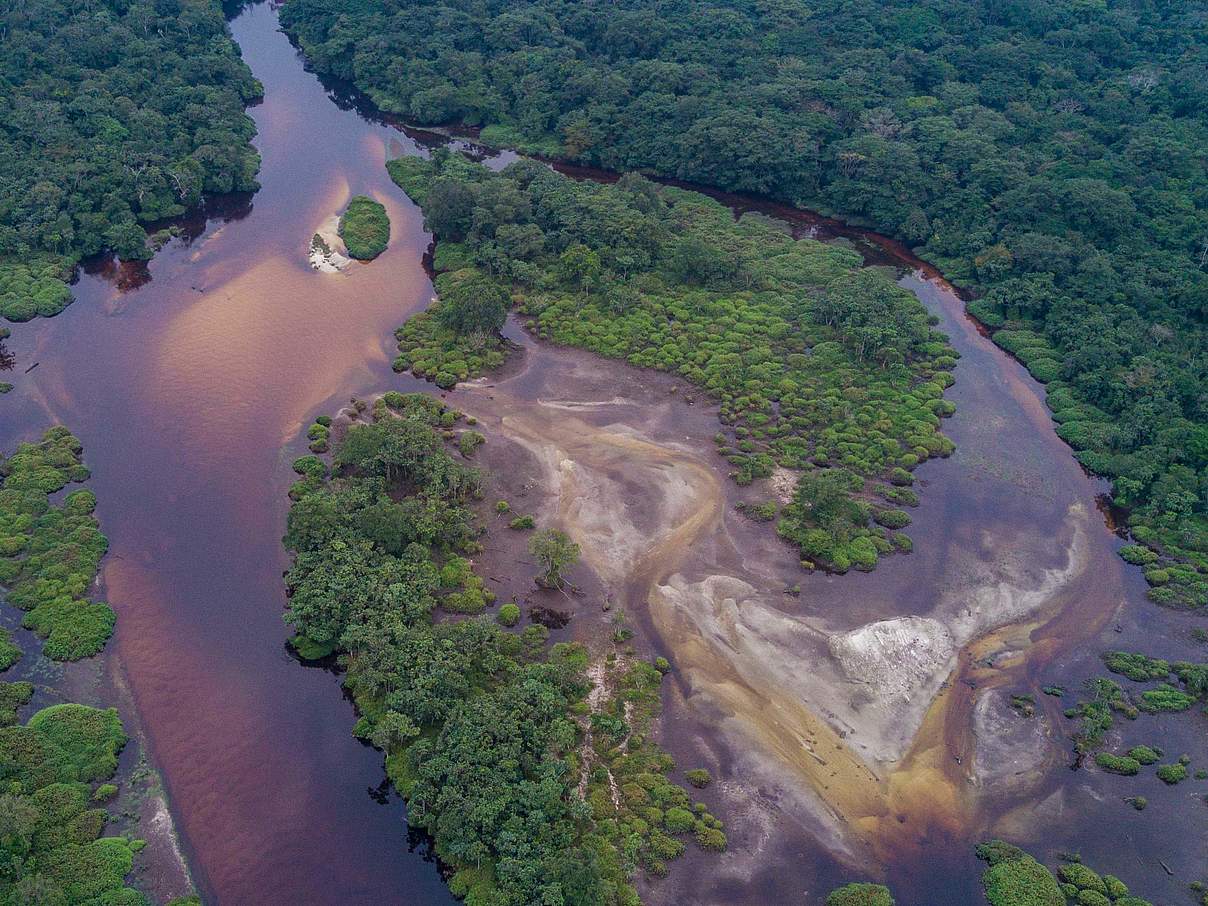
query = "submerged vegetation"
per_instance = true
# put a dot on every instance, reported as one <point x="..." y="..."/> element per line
<point x="818" y="364"/>
<point x="365" y="228"/>
<point x="116" y="114"/>
<point x="1046" y="154"/>
<point x="1105" y="698"/>
<point x="486" y="731"/>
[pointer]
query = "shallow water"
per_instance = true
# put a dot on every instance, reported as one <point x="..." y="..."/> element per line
<point x="190" y="390"/>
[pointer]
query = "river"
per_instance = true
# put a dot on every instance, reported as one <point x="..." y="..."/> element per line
<point x="190" y="384"/>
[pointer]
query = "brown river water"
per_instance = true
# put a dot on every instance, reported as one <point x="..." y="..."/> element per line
<point x="190" y="383"/>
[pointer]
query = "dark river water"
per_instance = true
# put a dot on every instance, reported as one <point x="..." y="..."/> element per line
<point x="190" y="383"/>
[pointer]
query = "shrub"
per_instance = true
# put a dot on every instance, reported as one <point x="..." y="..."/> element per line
<point x="104" y="792"/>
<point x="893" y="519"/>
<point x="1144" y="755"/>
<point x="13" y="696"/>
<point x="1115" y="887"/>
<point x="1081" y="877"/>
<point x="1164" y="699"/>
<point x="522" y="522"/>
<point x="1136" y="667"/>
<point x="72" y="629"/>
<point x="10" y="653"/>
<point x="502" y="506"/>
<point x="555" y="552"/>
<point x="1172" y="773"/>
<point x="1114" y="764"/>
<point x="710" y="838"/>
<point x="469" y="441"/>
<point x="860" y="895"/>
<point x="698" y="777"/>
<point x="509" y="614"/>
<point x="678" y="820"/>
<point x="88" y="738"/>
<point x="1016" y="879"/>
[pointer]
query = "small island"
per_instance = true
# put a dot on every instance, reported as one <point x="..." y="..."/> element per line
<point x="365" y="228"/>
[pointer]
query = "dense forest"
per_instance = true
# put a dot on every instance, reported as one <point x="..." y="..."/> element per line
<point x="114" y="114"/>
<point x="1047" y="153"/>
<point x="820" y="366"/>
<point x="531" y="793"/>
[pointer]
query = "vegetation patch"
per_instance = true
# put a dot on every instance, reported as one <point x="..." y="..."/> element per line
<point x="365" y="228"/>
<point x="52" y="838"/>
<point x="13" y="696"/>
<point x="10" y="652"/>
<point x="50" y="554"/>
<point x="818" y="364"/>
<point x="860" y="894"/>
<point x="625" y="775"/>
<point x="1014" y="878"/>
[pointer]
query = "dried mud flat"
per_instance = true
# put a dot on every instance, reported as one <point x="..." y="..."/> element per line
<point x="852" y="711"/>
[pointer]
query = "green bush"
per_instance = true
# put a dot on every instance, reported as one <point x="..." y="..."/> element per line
<point x="893" y="519"/>
<point x="1164" y="699"/>
<point x="13" y="696"/>
<point x="1135" y="666"/>
<point x="710" y="838"/>
<point x="365" y="228"/>
<point x="1144" y="755"/>
<point x="1172" y="773"/>
<point x="698" y="777"/>
<point x="1016" y="879"/>
<point x="10" y="653"/>
<point x="860" y="894"/>
<point x="509" y="614"/>
<point x="1114" y="764"/>
<point x="469" y="441"/>
<point x="72" y="629"/>
<point x="678" y="820"/>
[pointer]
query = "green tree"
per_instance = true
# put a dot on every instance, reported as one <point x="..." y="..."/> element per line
<point x="581" y="267"/>
<point x="555" y="552"/>
<point x="475" y="305"/>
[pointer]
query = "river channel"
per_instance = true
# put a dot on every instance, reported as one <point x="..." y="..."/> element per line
<point x="190" y="383"/>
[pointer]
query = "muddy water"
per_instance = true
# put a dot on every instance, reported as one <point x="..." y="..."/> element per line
<point x="189" y="394"/>
<point x="190" y="389"/>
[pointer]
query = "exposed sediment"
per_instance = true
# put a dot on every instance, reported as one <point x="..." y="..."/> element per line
<point x="869" y="717"/>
